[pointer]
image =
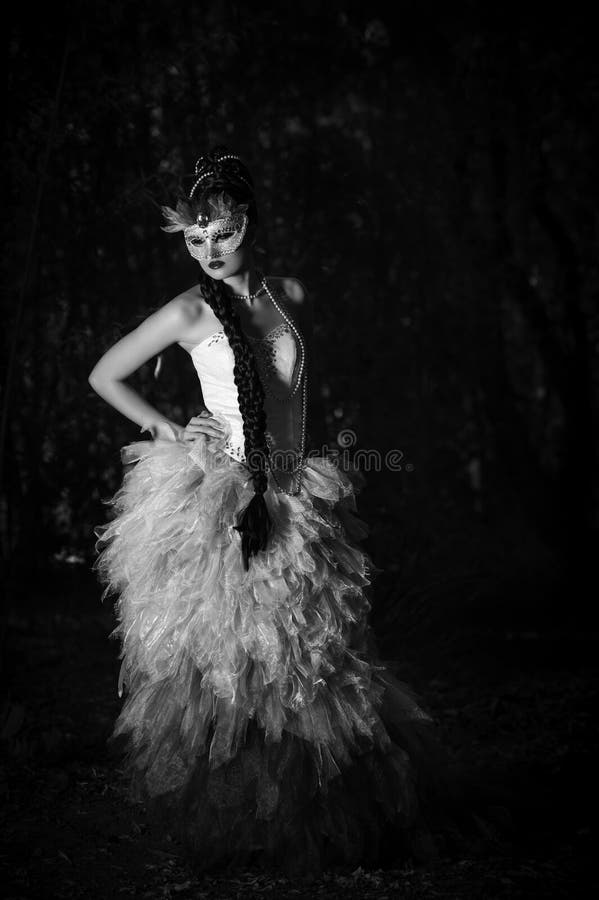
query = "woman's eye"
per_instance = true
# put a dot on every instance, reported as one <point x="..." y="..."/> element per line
<point x="197" y="242"/>
<point x="225" y="235"/>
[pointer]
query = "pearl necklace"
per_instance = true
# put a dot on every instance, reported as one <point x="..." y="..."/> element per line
<point x="250" y="297"/>
<point x="301" y="378"/>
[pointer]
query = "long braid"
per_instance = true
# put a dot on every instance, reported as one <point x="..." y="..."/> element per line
<point x="249" y="387"/>
<point x="218" y="172"/>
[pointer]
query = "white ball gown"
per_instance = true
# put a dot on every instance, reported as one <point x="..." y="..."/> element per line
<point x="257" y="717"/>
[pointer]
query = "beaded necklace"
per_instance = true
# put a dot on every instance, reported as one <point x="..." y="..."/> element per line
<point x="250" y="297"/>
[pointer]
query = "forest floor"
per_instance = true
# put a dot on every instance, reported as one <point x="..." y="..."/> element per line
<point x="516" y="703"/>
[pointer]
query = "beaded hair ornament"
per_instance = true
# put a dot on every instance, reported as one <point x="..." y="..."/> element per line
<point x="222" y="231"/>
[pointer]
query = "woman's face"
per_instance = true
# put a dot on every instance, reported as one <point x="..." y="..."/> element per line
<point x="221" y="267"/>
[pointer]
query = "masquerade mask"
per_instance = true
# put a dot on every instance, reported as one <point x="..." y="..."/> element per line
<point x="219" y="234"/>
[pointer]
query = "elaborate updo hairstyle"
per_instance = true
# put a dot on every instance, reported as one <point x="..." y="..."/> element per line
<point x="221" y="172"/>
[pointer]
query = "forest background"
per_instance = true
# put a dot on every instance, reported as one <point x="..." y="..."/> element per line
<point x="428" y="177"/>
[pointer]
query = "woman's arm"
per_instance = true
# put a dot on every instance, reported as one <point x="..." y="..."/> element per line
<point x="158" y="331"/>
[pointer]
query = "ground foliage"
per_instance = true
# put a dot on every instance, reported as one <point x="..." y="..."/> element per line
<point x="517" y="708"/>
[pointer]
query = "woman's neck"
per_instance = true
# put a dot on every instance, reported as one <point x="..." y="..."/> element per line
<point x="244" y="283"/>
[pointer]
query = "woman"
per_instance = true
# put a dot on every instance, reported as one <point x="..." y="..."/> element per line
<point x="256" y="716"/>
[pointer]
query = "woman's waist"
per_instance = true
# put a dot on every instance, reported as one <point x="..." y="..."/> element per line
<point x="226" y="411"/>
<point x="284" y="428"/>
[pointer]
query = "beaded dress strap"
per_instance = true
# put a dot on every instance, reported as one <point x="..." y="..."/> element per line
<point x="301" y="384"/>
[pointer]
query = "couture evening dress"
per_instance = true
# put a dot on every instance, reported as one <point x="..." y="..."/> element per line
<point x="257" y="717"/>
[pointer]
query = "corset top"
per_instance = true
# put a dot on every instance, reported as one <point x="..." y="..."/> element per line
<point x="277" y="361"/>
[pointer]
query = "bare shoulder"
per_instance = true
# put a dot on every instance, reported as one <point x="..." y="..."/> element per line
<point x="298" y="302"/>
<point x="293" y="288"/>
<point x="196" y="317"/>
<point x="297" y="298"/>
<point x="190" y="306"/>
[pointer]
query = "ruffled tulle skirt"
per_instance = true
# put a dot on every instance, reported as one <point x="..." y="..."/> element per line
<point x="257" y="718"/>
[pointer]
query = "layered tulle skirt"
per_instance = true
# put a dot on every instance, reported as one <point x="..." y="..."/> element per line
<point x="257" y="718"/>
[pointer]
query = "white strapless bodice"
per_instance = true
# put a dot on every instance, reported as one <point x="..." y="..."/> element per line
<point x="277" y="359"/>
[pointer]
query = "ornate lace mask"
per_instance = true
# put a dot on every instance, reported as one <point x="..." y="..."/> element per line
<point x="219" y="234"/>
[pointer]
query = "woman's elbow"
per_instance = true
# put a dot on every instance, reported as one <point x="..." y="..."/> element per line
<point x="97" y="380"/>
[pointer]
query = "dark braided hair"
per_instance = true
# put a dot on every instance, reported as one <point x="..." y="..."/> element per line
<point x="231" y="177"/>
